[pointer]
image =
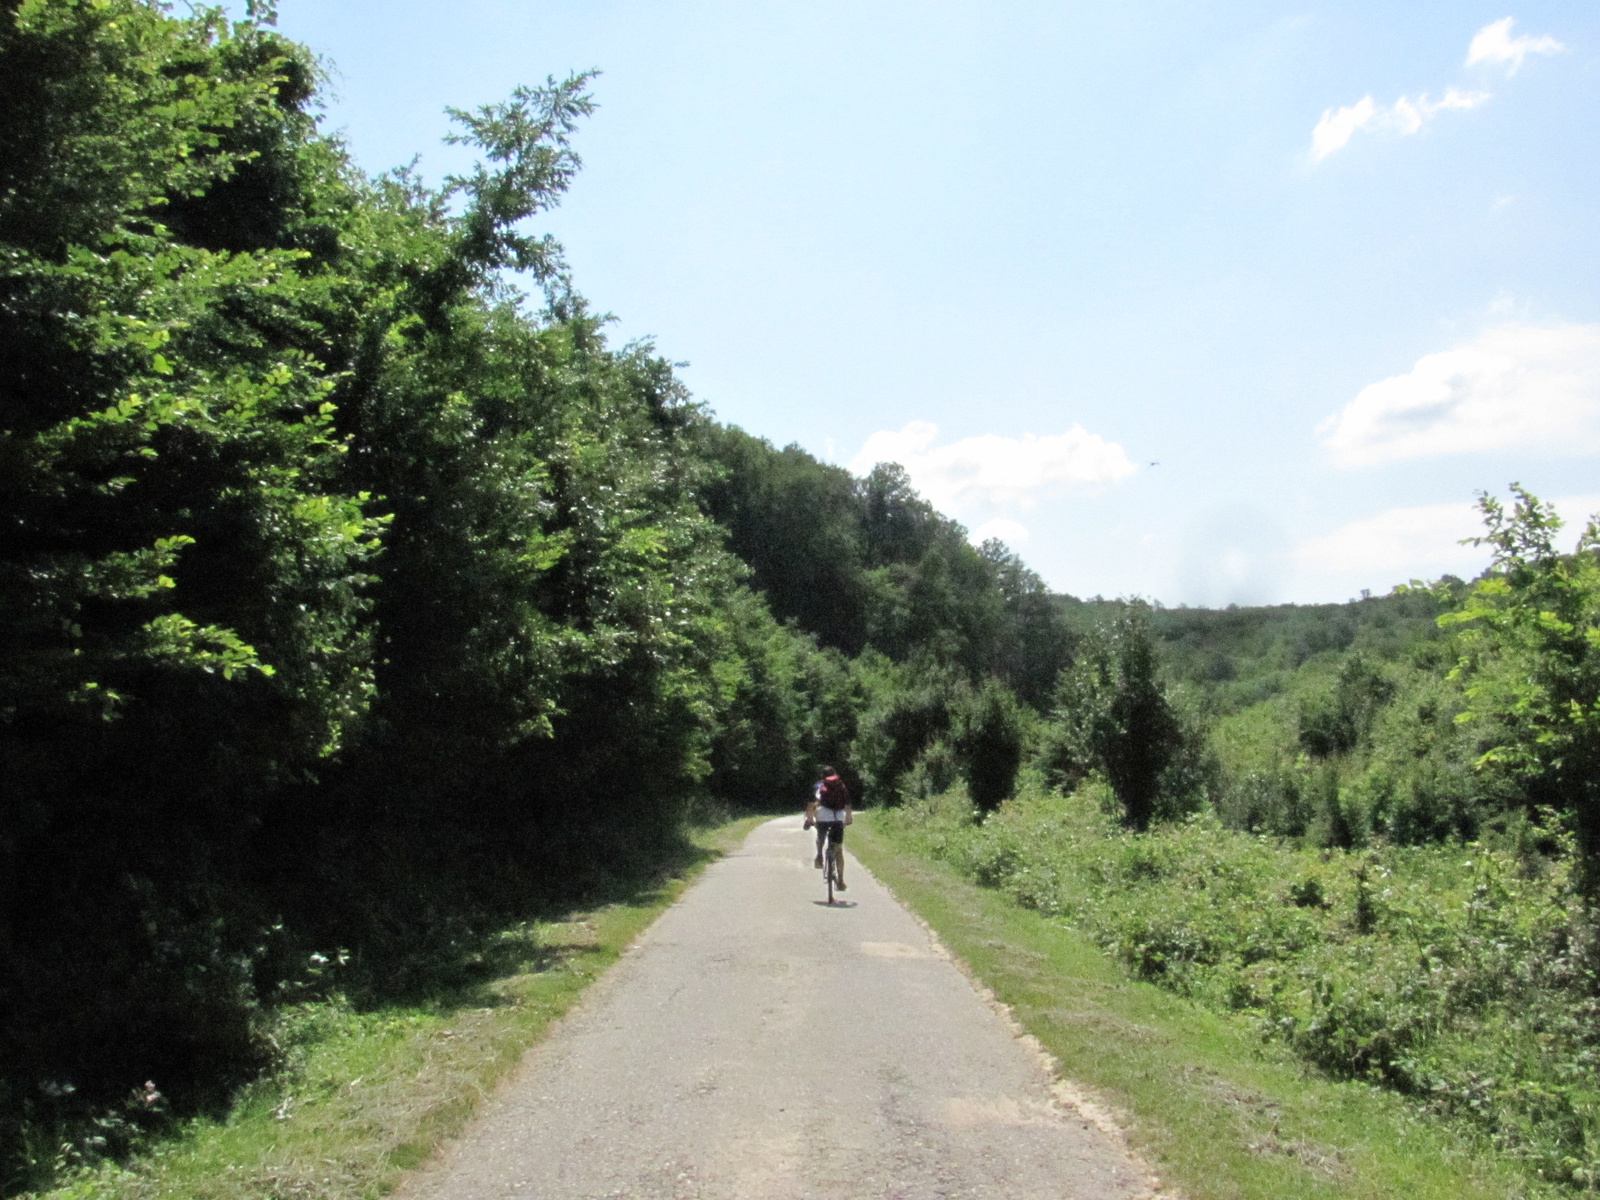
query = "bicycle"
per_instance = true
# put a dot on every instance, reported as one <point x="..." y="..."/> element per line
<point x="833" y="866"/>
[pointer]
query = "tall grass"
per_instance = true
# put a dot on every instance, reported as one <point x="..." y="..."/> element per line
<point x="1463" y="976"/>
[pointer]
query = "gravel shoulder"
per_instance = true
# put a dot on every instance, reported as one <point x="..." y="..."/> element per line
<point x="755" y="1043"/>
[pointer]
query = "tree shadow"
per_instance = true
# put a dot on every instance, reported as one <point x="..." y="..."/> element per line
<point x="445" y="929"/>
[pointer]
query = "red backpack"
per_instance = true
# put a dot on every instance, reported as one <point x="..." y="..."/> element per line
<point x="834" y="793"/>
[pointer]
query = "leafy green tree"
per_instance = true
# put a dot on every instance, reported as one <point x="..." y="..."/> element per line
<point x="1037" y="643"/>
<point x="785" y="708"/>
<point x="797" y="523"/>
<point x="324" y="559"/>
<point x="899" y="525"/>
<point x="1530" y="666"/>
<point x="1419" y="784"/>
<point x="868" y="562"/>
<point x="1113" y="716"/>
<point x="909" y="709"/>
<point x="185" y="568"/>
<point x="989" y="740"/>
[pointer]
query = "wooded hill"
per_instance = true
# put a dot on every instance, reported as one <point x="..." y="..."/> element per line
<point x="353" y="597"/>
<point x="1435" y="712"/>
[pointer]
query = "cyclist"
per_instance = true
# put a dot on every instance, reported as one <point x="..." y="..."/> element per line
<point x="830" y="811"/>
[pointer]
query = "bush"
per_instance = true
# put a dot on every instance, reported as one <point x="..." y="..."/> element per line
<point x="908" y="709"/>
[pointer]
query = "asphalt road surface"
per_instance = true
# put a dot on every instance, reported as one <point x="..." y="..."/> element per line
<point x="757" y="1044"/>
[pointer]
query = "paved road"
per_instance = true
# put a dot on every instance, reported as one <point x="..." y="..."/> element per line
<point x="757" y="1044"/>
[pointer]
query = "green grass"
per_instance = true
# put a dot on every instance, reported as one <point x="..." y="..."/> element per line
<point x="368" y="1095"/>
<point x="1217" y="1112"/>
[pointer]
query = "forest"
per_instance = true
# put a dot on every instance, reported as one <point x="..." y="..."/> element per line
<point x="355" y="588"/>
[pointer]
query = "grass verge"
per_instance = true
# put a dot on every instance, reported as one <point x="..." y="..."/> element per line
<point x="1219" y="1114"/>
<point x="365" y="1096"/>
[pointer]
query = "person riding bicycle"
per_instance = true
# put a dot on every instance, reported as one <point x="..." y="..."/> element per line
<point x="830" y="811"/>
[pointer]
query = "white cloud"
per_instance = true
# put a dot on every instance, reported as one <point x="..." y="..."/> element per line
<point x="1494" y="44"/>
<point x="1410" y="117"/>
<point x="1514" y="386"/>
<point x="1405" y="116"/>
<point x="1400" y="544"/>
<point x="991" y="469"/>
<point x="1012" y="533"/>
<point x="1337" y="126"/>
<point x="1425" y="542"/>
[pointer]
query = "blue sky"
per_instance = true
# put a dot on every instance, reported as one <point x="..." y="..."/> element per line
<point x="1333" y="267"/>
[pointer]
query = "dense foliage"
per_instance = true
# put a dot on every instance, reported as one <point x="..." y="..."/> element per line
<point x="952" y="645"/>
<point x="1463" y="976"/>
<point x="1436" y="712"/>
<point x="1115" y="718"/>
<point x="351" y="597"/>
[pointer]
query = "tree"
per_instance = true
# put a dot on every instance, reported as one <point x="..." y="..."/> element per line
<point x="185" y="570"/>
<point x="1530" y="665"/>
<point x="908" y="709"/>
<point x="323" y="559"/>
<point x="1037" y="643"/>
<point x="989" y="738"/>
<point x="797" y="523"/>
<point x="1337" y="722"/>
<point x="1113" y="716"/>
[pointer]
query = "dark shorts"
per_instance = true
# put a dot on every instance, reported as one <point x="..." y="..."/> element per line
<point x="834" y="830"/>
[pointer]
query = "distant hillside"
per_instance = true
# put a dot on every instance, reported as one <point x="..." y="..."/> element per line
<point x="1238" y="656"/>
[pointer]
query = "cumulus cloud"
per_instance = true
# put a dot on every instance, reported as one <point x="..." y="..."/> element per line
<point x="1514" y="386"/>
<point x="1400" y="544"/>
<point x="1012" y="533"/>
<point x="1423" y="542"/>
<point x="1405" y="116"/>
<point x="1494" y="44"/>
<point x="991" y="469"/>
